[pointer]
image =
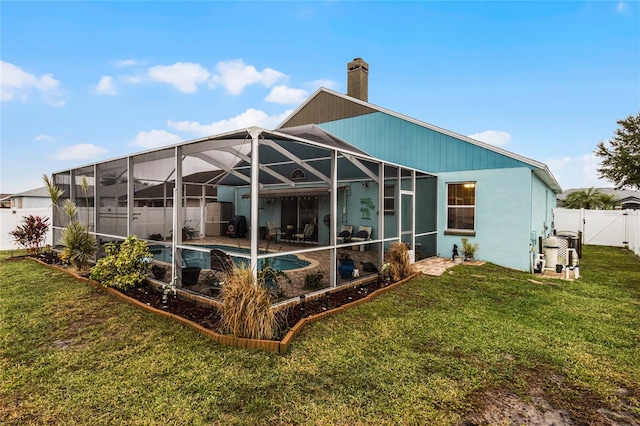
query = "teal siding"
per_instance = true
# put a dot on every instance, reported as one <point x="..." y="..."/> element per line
<point x="503" y="215"/>
<point x="398" y="141"/>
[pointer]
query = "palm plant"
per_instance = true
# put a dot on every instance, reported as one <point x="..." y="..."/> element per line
<point x="84" y="184"/>
<point x="79" y="245"/>
<point x="589" y="199"/>
<point x="609" y="201"/>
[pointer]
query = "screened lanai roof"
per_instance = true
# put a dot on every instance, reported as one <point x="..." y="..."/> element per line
<point x="225" y="159"/>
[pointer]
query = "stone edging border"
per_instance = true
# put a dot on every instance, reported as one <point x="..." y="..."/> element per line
<point x="275" y="346"/>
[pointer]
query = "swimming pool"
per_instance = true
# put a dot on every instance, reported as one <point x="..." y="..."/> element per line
<point x="285" y="262"/>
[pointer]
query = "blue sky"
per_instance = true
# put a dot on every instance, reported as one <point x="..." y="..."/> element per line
<point x="83" y="82"/>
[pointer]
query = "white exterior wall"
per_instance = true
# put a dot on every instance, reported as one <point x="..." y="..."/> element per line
<point x="35" y="202"/>
<point x="11" y="218"/>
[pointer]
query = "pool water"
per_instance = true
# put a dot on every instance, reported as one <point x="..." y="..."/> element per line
<point x="285" y="262"/>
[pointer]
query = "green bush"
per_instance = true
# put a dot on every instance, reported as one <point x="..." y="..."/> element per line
<point x="313" y="281"/>
<point x="79" y="245"/>
<point x="125" y="264"/>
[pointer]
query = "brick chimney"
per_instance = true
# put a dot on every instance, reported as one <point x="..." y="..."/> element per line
<point x="358" y="79"/>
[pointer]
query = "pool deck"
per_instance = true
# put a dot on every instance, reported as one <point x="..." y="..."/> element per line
<point x="320" y="260"/>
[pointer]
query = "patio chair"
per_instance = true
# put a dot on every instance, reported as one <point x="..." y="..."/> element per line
<point x="306" y="234"/>
<point x="363" y="234"/>
<point x="273" y="232"/>
<point x="344" y="236"/>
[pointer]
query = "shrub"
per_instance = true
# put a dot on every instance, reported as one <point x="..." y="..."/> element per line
<point x="468" y="249"/>
<point x="399" y="264"/>
<point x="31" y="234"/>
<point x="246" y="306"/>
<point x="125" y="265"/>
<point x="313" y="281"/>
<point x="79" y="245"/>
<point x="271" y="277"/>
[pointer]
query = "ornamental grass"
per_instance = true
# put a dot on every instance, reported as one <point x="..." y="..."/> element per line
<point x="400" y="266"/>
<point x="246" y="307"/>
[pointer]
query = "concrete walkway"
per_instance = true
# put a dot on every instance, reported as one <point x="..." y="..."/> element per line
<point x="436" y="266"/>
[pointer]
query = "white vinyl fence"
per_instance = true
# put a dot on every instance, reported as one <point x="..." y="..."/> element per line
<point x="147" y="220"/>
<point x="618" y="228"/>
<point x="11" y="218"/>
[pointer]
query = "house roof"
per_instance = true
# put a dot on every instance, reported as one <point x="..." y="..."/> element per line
<point x="34" y="193"/>
<point x="624" y="195"/>
<point x="359" y="107"/>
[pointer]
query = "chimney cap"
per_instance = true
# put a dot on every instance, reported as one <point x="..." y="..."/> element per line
<point x="358" y="63"/>
<point x="358" y="79"/>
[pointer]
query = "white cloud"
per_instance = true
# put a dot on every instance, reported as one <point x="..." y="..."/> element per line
<point x="577" y="172"/>
<point x="82" y="151"/>
<point x="250" y="117"/>
<point x="126" y="63"/>
<point x="105" y="86"/>
<point x="183" y="75"/>
<point x="493" y="137"/>
<point x="132" y="79"/>
<point x="329" y="84"/>
<point x="155" y="138"/>
<point x="622" y="7"/>
<point x="17" y="84"/>
<point x="235" y="76"/>
<point x="286" y="95"/>
<point x="44" y="138"/>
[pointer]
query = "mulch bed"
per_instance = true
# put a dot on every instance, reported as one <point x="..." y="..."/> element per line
<point x="210" y="318"/>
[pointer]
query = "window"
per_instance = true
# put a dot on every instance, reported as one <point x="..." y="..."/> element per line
<point x="461" y="208"/>
<point x="389" y="199"/>
<point x="298" y="174"/>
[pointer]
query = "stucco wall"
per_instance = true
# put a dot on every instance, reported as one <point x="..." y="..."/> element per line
<point x="503" y="215"/>
<point x="543" y="201"/>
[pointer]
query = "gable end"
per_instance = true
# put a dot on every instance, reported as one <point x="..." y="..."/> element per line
<point x="325" y="107"/>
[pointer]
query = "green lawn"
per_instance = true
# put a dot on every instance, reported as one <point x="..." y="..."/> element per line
<point x="433" y="351"/>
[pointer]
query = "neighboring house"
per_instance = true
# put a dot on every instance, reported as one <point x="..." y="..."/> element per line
<point x="629" y="199"/>
<point x="339" y="155"/>
<point x="33" y="202"/>
<point x="5" y="201"/>
<point x="33" y="198"/>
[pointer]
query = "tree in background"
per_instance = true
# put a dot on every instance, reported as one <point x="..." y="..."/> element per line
<point x="621" y="155"/>
<point x="609" y="201"/>
<point x="590" y="199"/>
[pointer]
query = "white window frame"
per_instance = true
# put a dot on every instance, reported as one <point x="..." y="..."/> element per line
<point x="391" y="197"/>
<point x="458" y="231"/>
